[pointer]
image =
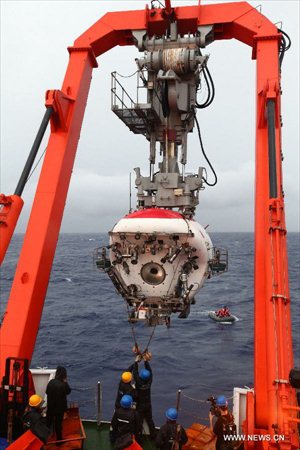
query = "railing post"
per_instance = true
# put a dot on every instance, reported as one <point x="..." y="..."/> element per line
<point x="178" y="399"/>
<point x="99" y="403"/>
<point x="111" y="90"/>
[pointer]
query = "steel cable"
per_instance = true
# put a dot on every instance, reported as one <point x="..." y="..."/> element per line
<point x="204" y="154"/>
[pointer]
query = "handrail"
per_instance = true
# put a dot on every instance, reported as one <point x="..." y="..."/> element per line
<point x="115" y="95"/>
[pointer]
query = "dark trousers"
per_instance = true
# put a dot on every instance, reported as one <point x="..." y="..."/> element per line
<point x="145" y="412"/>
<point x="54" y="421"/>
<point x="221" y="445"/>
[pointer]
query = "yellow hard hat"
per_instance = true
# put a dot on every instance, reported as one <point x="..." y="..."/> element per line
<point x="126" y="377"/>
<point x="35" y="401"/>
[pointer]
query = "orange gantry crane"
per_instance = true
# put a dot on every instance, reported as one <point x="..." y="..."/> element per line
<point x="271" y="409"/>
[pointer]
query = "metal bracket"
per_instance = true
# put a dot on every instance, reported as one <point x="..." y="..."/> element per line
<point x="270" y="91"/>
<point x="206" y="35"/>
<point x="5" y="204"/>
<point x="278" y="228"/>
<point x="279" y="296"/>
<point x="138" y="38"/>
<point x="5" y="200"/>
<point x="11" y="388"/>
<point x="60" y="103"/>
<point x="279" y="381"/>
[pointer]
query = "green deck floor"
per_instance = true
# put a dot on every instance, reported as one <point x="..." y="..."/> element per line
<point x="98" y="438"/>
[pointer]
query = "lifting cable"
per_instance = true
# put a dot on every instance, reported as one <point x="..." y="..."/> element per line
<point x="204" y="154"/>
<point x="210" y="97"/>
<point x="284" y="45"/>
<point x="210" y="90"/>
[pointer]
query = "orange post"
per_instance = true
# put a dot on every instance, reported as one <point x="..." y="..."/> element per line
<point x="10" y="209"/>
<point x="273" y="341"/>
<point x="24" y="309"/>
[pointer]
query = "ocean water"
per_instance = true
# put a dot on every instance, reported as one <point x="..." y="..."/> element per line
<point x="84" y="328"/>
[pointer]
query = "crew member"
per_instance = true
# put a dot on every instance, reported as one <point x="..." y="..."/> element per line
<point x="143" y="381"/>
<point x="33" y="419"/>
<point x="125" y="388"/>
<point x="224" y="425"/>
<point x="57" y="391"/>
<point x="171" y="435"/>
<point x="223" y="312"/>
<point x="220" y="312"/>
<point x="226" y="311"/>
<point x="126" y="424"/>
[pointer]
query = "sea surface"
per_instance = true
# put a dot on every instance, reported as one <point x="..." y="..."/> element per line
<point x="84" y="327"/>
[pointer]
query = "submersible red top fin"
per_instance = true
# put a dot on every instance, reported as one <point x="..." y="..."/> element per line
<point x="154" y="213"/>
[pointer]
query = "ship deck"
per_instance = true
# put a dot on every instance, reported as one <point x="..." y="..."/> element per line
<point x="93" y="437"/>
<point x="98" y="437"/>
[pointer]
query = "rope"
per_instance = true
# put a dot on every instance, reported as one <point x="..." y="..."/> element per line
<point x="188" y="413"/>
<point x="150" y="339"/>
<point x="209" y="386"/>
<point x="132" y="327"/>
<point x="34" y="168"/>
<point x="194" y="399"/>
<point x="200" y="400"/>
<point x="134" y="334"/>
<point x="83" y="388"/>
<point x="173" y="58"/>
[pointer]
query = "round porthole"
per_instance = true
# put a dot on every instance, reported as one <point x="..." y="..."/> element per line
<point x="153" y="273"/>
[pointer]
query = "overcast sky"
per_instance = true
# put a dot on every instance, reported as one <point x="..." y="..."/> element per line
<point x="34" y="40"/>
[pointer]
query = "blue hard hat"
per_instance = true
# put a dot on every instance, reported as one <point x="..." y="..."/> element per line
<point x="145" y="374"/>
<point x="171" y="414"/>
<point x="221" y="400"/>
<point x="126" y="401"/>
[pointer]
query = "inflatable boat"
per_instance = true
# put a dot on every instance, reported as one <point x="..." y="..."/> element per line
<point x="228" y="319"/>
